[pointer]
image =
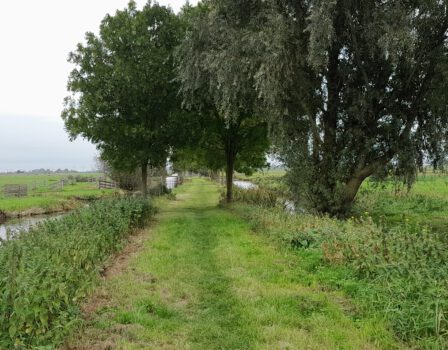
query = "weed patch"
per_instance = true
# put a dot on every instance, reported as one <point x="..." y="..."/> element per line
<point x="47" y="272"/>
<point x="399" y="273"/>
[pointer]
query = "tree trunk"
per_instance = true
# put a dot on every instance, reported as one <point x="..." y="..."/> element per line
<point x="352" y="186"/>
<point x="324" y="181"/>
<point x="144" y="178"/>
<point x="229" y="177"/>
<point x="350" y="191"/>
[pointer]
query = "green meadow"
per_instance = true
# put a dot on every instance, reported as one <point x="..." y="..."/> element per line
<point x="46" y="193"/>
<point x="388" y="203"/>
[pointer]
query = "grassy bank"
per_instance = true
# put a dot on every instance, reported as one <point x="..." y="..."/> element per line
<point x="426" y="204"/>
<point x="388" y="203"/>
<point x="391" y="257"/>
<point x="46" y="194"/>
<point x="47" y="272"/>
<point x="203" y="280"/>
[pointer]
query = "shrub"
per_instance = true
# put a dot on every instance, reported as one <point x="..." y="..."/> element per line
<point x="45" y="273"/>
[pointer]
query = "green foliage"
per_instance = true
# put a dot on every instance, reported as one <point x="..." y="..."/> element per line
<point x="45" y="194"/>
<point x="395" y="247"/>
<point x="352" y="87"/>
<point x="47" y="272"/>
<point x="171" y="196"/>
<point x="123" y="88"/>
<point x="273" y="180"/>
<point x="408" y="266"/>
<point x="215" y="73"/>
<point x="402" y="271"/>
<point x="206" y="281"/>
<point x="390" y="205"/>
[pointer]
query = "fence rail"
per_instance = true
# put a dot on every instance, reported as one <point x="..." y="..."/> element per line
<point x="106" y="184"/>
<point x="15" y="190"/>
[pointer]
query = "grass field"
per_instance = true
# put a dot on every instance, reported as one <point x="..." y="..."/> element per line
<point x="45" y="192"/>
<point x="256" y="277"/>
<point x="426" y="204"/>
<point x="202" y="279"/>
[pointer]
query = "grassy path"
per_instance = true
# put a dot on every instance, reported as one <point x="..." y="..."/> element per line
<point x="203" y="280"/>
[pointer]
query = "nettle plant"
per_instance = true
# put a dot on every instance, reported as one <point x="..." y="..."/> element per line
<point x="46" y="273"/>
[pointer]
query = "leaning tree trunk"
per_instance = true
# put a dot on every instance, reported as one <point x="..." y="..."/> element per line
<point x="352" y="186"/>
<point x="348" y="196"/>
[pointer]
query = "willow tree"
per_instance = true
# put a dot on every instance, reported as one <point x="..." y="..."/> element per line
<point x="354" y="86"/>
<point x="216" y="74"/>
<point x="122" y="87"/>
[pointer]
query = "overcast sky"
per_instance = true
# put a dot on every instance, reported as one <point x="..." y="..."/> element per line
<point x="35" y="39"/>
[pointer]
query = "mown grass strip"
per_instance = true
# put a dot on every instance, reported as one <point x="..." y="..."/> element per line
<point x="204" y="280"/>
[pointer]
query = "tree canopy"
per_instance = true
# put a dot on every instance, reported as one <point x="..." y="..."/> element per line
<point x="123" y="89"/>
<point x="348" y="89"/>
<point x="215" y="71"/>
<point x="353" y="87"/>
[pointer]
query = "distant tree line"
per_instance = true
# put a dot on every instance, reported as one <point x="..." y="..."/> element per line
<point x="340" y="90"/>
<point x="46" y="171"/>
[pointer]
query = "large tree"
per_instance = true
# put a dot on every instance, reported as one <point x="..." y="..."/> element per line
<point x="217" y="82"/>
<point x="353" y="86"/>
<point x="123" y="88"/>
<point x="215" y="144"/>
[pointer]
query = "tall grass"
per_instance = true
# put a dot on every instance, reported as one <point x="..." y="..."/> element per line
<point x="399" y="272"/>
<point x="45" y="273"/>
<point x="259" y="196"/>
<point x="425" y="204"/>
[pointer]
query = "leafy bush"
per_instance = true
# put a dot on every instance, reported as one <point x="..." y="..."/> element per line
<point x="171" y="196"/>
<point x="45" y="273"/>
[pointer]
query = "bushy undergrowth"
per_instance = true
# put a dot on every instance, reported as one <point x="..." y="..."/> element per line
<point x="404" y="269"/>
<point x="45" y="273"/>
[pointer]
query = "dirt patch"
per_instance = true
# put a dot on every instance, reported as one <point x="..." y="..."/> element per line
<point x="116" y="265"/>
<point x="101" y="299"/>
<point x="120" y="261"/>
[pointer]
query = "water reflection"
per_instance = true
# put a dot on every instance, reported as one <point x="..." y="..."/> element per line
<point x="246" y="185"/>
<point x="24" y="224"/>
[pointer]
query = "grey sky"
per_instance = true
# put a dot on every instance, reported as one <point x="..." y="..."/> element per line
<point x="35" y="39"/>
